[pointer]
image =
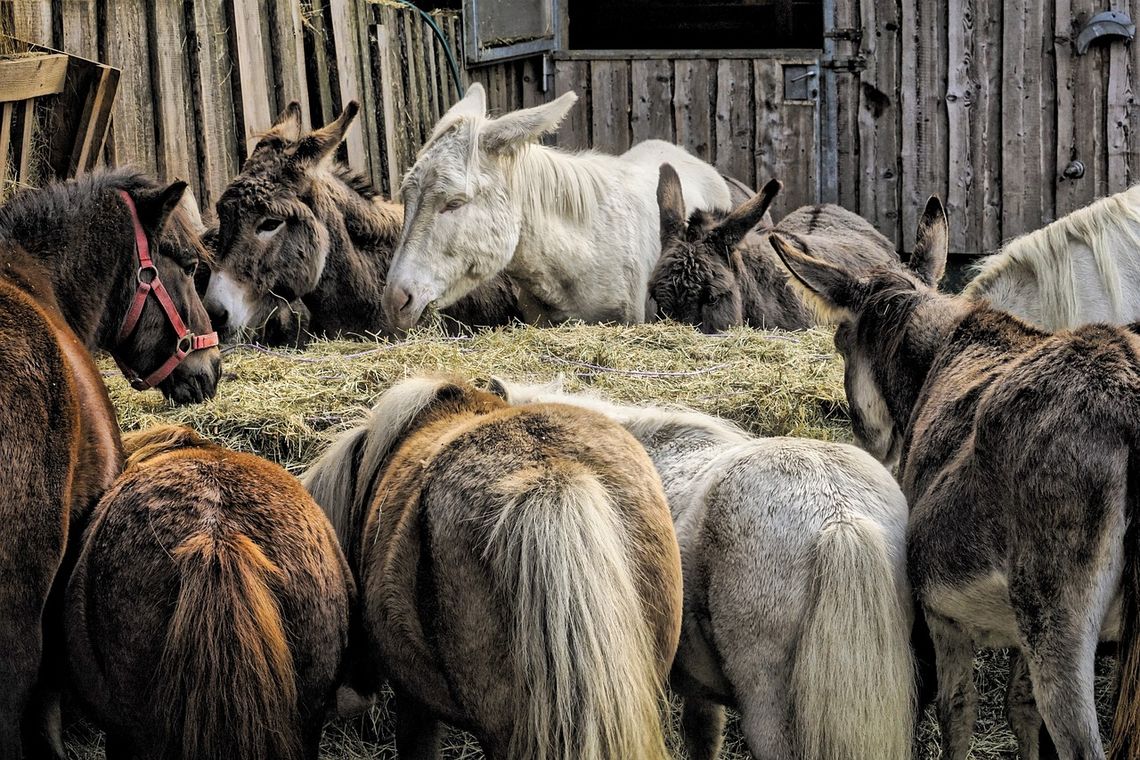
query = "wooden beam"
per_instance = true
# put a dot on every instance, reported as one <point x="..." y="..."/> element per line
<point x="32" y="77"/>
<point x="5" y="144"/>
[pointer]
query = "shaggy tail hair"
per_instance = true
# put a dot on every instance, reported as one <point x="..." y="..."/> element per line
<point x="1126" y="720"/>
<point x="584" y="655"/>
<point x="226" y="678"/>
<point x="853" y="682"/>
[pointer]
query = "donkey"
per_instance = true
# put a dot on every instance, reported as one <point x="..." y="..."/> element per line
<point x="1017" y="452"/>
<point x="577" y="232"/>
<point x="71" y="274"/>
<point x="715" y="274"/>
<point x="518" y="572"/>
<point x="304" y="244"/>
<point x="209" y="608"/>
<point x="805" y="536"/>
<point x="1080" y="269"/>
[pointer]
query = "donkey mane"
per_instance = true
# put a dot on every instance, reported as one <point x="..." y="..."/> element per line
<point x="47" y="204"/>
<point x="356" y="181"/>
<point x="1046" y="254"/>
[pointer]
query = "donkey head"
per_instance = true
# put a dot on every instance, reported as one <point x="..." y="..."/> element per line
<point x="462" y="221"/>
<point x="272" y="245"/>
<point x="695" y="280"/>
<point x="890" y="322"/>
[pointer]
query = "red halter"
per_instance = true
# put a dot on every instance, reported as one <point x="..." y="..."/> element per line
<point x="147" y="276"/>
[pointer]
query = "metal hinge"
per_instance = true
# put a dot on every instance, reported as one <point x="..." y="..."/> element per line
<point x="852" y="64"/>
<point x="854" y="34"/>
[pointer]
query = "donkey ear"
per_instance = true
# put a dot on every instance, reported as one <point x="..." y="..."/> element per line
<point x="931" y="243"/>
<point x="748" y="214"/>
<point x="155" y="206"/>
<point x="288" y="125"/>
<point x="833" y="291"/>
<point x="671" y="201"/>
<point x="472" y="104"/>
<point x="320" y="143"/>
<point x="513" y="130"/>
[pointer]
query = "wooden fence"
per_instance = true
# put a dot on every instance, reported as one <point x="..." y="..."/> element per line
<point x="201" y="78"/>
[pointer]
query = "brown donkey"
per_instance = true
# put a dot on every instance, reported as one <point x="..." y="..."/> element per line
<point x="209" y="609"/>
<point x="70" y="272"/>
<point x="518" y="570"/>
<point x="717" y="270"/>
<point x="304" y="244"/>
<point x="1018" y="454"/>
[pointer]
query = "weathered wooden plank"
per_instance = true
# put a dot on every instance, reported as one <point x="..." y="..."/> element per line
<point x="343" y="21"/>
<point x="846" y="47"/>
<point x="1080" y="131"/>
<point x="33" y="77"/>
<point x="320" y="56"/>
<point x="287" y="45"/>
<point x="1028" y="124"/>
<point x="415" y="84"/>
<point x="32" y="22"/>
<point x="221" y="145"/>
<point x="924" y="109"/>
<point x="134" y="135"/>
<point x="973" y="99"/>
<point x="1119" y="102"/>
<point x="254" y="68"/>
<point x="878" y="120"/>
<point x="428" y="56"/>
<point x="80" y="28"/>
<point x="26" y="112"/>
<point x="175" y="133"/>
<point x="768" y="84"/>
<point x="6" y="112"/>
<point x="735" y="120"/>
<point x="532" y="83"/>
<point x="609" y="93"/>
<point x="651" y="114"/>
<point x="574" y="76"/>
<point x="1132" y="126"/>
<point x="692" y="106"/>
<point x="91" y="128"/>
<point x="390" y="89"/>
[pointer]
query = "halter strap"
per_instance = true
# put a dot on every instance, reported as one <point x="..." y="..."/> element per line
<point x="148" y="282"/>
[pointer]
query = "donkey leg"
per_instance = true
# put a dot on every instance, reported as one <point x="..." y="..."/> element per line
<point x="957" y="700"/>
<point x="418" y="732"/>
<point x="1061" y="666"/>
<point x="765" y="709"/>
<point x="702" y="722"/>
<point x="1021" y="708"/>
<point x="20" y="654"/>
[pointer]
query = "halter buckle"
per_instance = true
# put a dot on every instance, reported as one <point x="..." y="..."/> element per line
<point x="151" y="272"/>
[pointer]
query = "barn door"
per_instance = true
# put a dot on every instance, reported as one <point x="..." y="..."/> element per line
<point x="787" y="106"/>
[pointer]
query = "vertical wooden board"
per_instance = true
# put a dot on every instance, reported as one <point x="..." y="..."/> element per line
<point x="343" y="22"/>
<point x="693" y="86"/>
<point x="6" y="111"/>
<point x="1119" y="104"/>
<point x="973" y="199"/>
<point x="134" y="136"/>
<point x="26" y="109"/>
<point x="175" y="132"/>
<point x="32" y="22"/>
<point x="1080" y="88"/>
<point x="500" y="92"/>
<point x="651" y="114"/>
<point x="449" y="88"/>
<point x="847" y="106"/>
<point x="417" y="81"/>
<point x="253" y="68"/>
<point x="80" y="29"/>
<point x="218" y="140"/>
<point x="609" y="93"/>
<point x="1132" y="129"/>
<point x="768" y="76"/>
<point x="924" y="109"/>
<point x="532" y="83"/>
<point x="879" y="118"/>
<point x="390" y="89"/>
<point x="367" y="127"/>
<point x="735" y="120"/>
<point x="317" y="39"/>
<point x="288" y="48"/>
<point x="1028" y="120"/>
<point x="574" y="76"/>
<point x="427" y="54"/>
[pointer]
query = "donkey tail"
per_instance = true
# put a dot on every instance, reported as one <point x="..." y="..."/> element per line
<point x="853" y="682"/>
<point x="227" y="670"/>
<point x="1126" y="720"/>
<point x="584" y="658"/>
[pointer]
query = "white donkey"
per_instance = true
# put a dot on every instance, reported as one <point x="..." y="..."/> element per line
<point x="577" y="232"/>
<point x="1082" y="268"/>
<point x="797" y="608"/>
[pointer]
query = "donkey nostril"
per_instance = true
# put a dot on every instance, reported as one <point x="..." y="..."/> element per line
<point x="218" y="317"/>
<point x="403" y="299"/>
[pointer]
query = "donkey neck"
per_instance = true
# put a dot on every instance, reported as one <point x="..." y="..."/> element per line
<point x="83" y="283"/>
<point x="769" y="298"/>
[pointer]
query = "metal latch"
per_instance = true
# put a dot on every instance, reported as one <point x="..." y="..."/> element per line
<point x="851" y="33"/>
<point x="1108" y="25"/>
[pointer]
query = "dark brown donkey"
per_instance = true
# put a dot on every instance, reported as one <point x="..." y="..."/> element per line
<point x="208" y="611"/>
<point x="518" y="570"/>
<point x="304" y="244"/>
<point x="717" y="271"/>
<point x="1018" y="453"/>
<point x="70" y="273"/>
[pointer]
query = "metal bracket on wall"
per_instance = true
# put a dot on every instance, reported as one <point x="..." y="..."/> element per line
<point x="1107" y="25"/>
<point x="850" y="64"/>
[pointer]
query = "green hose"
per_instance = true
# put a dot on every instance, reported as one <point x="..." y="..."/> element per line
<point x="443" y="41"/>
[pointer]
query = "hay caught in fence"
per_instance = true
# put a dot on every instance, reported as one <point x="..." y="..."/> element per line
<point x="284" y="404"/>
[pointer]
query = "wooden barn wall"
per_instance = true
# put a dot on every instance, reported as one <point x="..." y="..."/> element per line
<point x="201" y="78"/>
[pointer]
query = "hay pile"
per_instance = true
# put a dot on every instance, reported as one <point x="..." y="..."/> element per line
<point x="283" y="405"/>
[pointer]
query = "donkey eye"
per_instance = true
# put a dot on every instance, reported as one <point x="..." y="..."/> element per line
<point x="191" y="269"/>
<point x="269" y="224"/>
<point x="453" y="204"/>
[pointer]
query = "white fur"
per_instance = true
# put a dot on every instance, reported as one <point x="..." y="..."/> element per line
<point x="796" y="595"/>
<point x="578" y="232"/>
<point x="224" y="292"/>
<point x="1081" y="268"/>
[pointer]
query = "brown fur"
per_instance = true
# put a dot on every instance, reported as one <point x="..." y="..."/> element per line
<point x="209" y="608"/>
<point x="1018" y="454"/>
<point x="293" y="176"/>
<point x="716" y="274"/>
<point x="441" y="502"/>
